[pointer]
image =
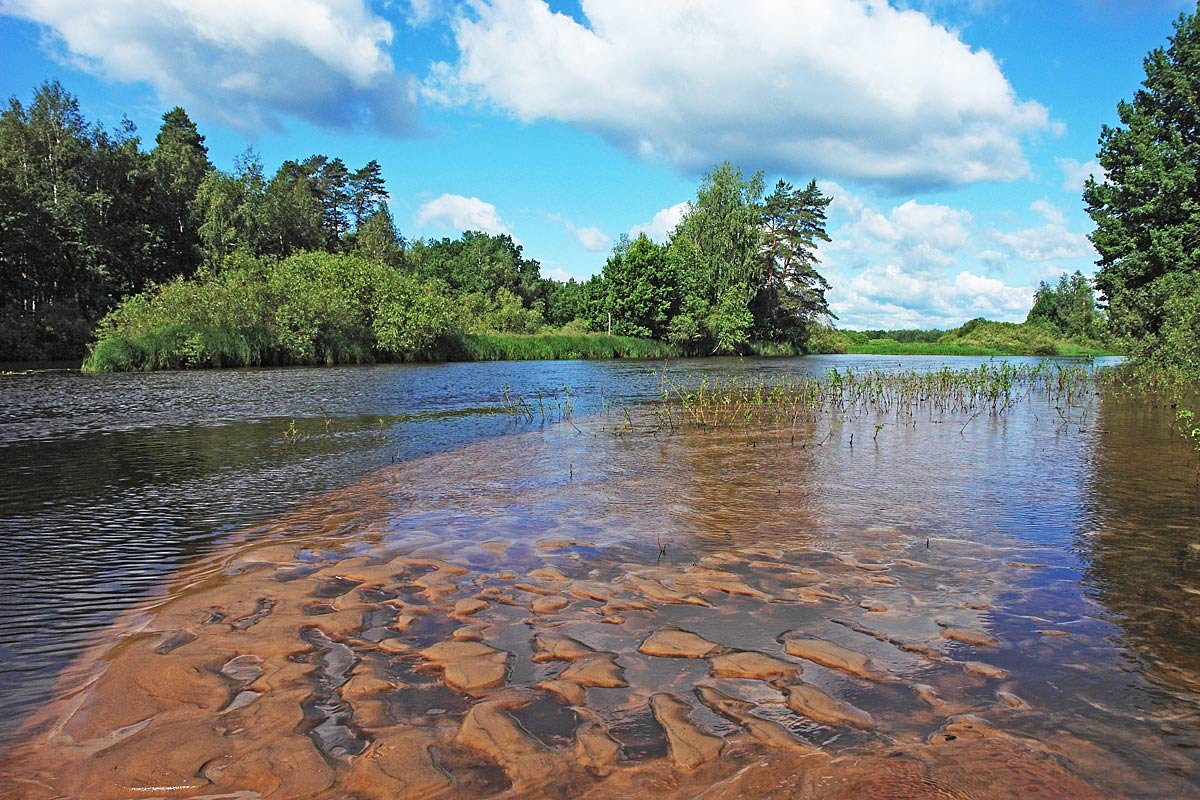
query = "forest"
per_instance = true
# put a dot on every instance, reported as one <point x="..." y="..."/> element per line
<point x="156" y="258"/>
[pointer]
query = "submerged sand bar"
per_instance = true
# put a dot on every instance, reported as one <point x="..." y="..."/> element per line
<point x="400" y="640"/>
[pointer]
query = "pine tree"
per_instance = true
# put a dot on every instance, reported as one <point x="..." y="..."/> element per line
<point x="1147" y="207"/>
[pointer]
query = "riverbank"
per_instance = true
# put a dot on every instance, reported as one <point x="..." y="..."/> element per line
<point x="190" y="347"/>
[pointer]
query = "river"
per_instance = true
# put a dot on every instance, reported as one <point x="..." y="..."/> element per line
<point x="1073" y="541"/>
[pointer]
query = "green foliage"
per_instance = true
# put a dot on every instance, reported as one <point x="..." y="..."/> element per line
<point x="76" y="232"/>
<point x="323" y="308"/>
<point x="740" y="268"/>
<point x="179" y="162"/>
<point x="377" y="238"/>
<point x="478" y="262"/>
<point x="715" y="248"/>
<point x="573" y="303"/>
<point x="1147" y="206"/>
<point x="911" y="335"/>
<point x="979" y="337"/>
<point x="1068" y="308"/>
<point x="1015" y="338"/>
<point x="827" y="339"/>
<point x="311" y="308"/>
<point x="94" y="228"/>
<point x="499" y="312"/>
<point x="640" y="288"/>
<point x="790" y="292"/>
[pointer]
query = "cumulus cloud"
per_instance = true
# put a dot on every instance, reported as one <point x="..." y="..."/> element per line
<point x="889" y="297"/>
<point x="916" y="236"/>
<point x="461" y="214"/>
<point x="1050" y="212"/>
<point x="925" y="264"/>
<point x="1076" y="172"/>
<point x="993" y="261"/>
<point x="1047" y="242"/>
<point x="249" y="65"/>
<point x="663" y="223"/>
<point x="590" y="238"/>
<point x="842" y="88"/>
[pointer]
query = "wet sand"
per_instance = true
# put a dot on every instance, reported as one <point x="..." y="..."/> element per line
<point x="567" y="615"/>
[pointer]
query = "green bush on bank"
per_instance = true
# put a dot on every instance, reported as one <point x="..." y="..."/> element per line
<point x="321" y="308"/>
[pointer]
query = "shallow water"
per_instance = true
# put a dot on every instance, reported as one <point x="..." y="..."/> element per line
<point x="1076" y="546"/>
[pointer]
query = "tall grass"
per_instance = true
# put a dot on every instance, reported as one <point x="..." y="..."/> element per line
<point x="902" y="395"/>
<point x="548" y="346"/>
<point x="891" y="347"/>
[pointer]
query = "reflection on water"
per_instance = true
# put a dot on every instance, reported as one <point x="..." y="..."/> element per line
<point x="1141" y="541"/>
<point x="1075" y="546"/>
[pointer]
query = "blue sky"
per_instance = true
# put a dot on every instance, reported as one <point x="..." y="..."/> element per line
<point x="954" y="135"/>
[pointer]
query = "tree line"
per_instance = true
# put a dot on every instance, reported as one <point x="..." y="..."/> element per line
<point x="95" y="229"/>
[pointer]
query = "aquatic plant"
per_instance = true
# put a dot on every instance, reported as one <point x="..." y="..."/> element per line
<point x="845" y="395"/>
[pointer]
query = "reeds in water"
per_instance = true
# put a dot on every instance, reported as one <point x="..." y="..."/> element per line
<point x="787" y="401"/>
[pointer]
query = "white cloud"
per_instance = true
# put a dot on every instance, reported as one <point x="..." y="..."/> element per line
<point x="461" y="214"/>
<point x="591" y="239"/>
<point x="842" y="88"/>
<point x="993" y="261"/>
<point x="889" y="297"/>
<point x="844" y="202"/>
<point x="932" y="224"/>
<point x="664" y="222"/>
<point x="557" y="274"/>
<point x="1045" y="242"/>
<point x="249" y="65"/>
<point x="423" y="12"/>
<point x="913" y="235"/>
<point x="1076" y="172"/>
<point x="926" y="265"/>
<point x="1048" y="211"/>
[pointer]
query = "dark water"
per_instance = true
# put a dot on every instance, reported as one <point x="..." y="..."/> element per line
<point x="108" y="484"/>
